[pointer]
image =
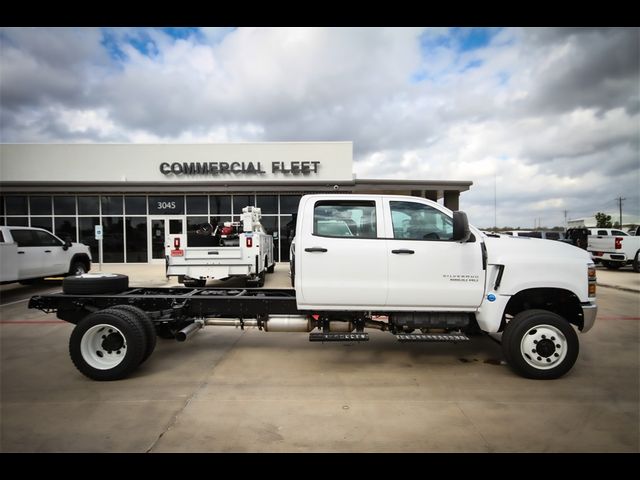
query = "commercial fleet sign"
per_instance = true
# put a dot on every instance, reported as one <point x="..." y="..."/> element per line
<point x="238" y="168"/>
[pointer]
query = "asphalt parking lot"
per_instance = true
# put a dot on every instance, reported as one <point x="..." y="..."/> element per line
<point x="228" y="390"/>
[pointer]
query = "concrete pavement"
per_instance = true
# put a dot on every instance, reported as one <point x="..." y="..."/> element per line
<point x="228" y="390"/>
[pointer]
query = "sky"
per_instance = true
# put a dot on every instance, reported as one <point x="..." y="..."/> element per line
<point x="542" y="121"/>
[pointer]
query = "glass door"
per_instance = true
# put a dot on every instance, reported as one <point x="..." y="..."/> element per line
<point x="161" y="230"/>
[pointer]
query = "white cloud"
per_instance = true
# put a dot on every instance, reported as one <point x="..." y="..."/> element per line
<point x="552" y="114"/>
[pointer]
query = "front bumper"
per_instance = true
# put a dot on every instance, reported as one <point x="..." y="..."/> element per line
<point x="589" y="312"/>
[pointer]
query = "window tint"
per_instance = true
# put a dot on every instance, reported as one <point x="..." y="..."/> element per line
<point x="136" y="239"/>
<point x="553" y="235"/>
<point x="220" y="204"/>
<point x="267" y="203"/>
<point x="64" y="205"/>
<point x="135" y="205"/>
<point x="40" y="205"/>
<point x="18" y="221"/>
<point x="241" y="201"/>
<point x="112" y="205"/>
<point x="45" y="239"/>
<point x="42" y="222"/>
<point x="602" y="232"/>
<point x="24" y="238"/>
<point x="531" y="234"/>
<point x="289" y="203"/>
<point x="618" y="232"/>
<point x="66" y="228"/>
<point x="88" y="206"/>
<point x="416" y="221"/>
<point x="196" y="204"/>
<point x="16" y="205"/>
<point x="345" y="219"/>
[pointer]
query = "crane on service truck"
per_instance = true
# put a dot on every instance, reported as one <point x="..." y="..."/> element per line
<point x="237" y="249"/>
<point x="400" y="264"/>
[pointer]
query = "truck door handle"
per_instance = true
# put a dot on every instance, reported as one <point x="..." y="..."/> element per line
<point x="403" y="250"/>
<point x="315" y="249"/>
<point x="47" y="251"/>
<point x="20" y="252"/>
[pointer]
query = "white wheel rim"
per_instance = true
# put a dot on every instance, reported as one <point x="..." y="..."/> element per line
<point x="543" y="347"/>
<point x="103" y="346"/>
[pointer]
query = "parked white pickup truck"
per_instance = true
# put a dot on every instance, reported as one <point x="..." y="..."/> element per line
<point x="237" y="249"/>
<point x="615" y="251"/>
<point x="29" y="253"/>
<point x="393" y="263"/>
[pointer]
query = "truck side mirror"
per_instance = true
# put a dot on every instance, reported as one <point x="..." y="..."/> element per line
<point x="67" y="244"/>
<point x="461" y="232"/>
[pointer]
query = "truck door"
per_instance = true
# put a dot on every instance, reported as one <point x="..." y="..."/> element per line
<point x="340" y="259"/>
<point x="426" y="267"/>
<point x="56" y="260"/>
<point x="29" y="254"/>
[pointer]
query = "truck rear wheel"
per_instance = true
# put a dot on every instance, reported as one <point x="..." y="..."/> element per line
<point x="540" y="344"/>
<point x="107" y="345"/>
<point x="147" y="325"/>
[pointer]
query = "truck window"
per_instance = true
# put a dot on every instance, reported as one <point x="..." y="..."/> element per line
<point x="553" y="235"/>
<point x="619" y="232"/>
<point x="24" y="238"/>
<point x="340" y="218"/>
<point x="416" y="221"/>
<point x="602" y="232"/>
<point x="45" y="239"/>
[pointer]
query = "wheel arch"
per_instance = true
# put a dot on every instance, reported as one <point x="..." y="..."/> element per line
<point x="560" y="301"/>
<point x="80" y="257"/>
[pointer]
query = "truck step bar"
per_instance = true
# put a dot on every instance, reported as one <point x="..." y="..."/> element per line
<point x="432" y="337"/>
<point x="338" y="337"/>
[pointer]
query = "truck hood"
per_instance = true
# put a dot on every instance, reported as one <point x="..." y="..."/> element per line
<point x="534" y="249"/>
<point x="536" y="263"/>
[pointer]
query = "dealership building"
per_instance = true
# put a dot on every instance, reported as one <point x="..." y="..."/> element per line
<point x="140" y="192"/>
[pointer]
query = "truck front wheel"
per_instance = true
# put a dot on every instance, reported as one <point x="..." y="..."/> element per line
<point x="636" y="262"/>
<point x="540" y="344"/>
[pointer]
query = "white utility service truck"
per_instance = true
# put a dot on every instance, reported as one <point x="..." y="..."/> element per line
<point x="400" y="264"/>
<point x="236" y="249"/>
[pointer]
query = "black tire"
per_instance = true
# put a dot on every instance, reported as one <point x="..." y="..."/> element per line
<point x="636" y="262"/>
<point x="119" y="342"/>
<point x="147" y="326"/>
<point x="91" y="283"/>
<point x="78" y="267"/>
<point x="293" y="272"/>
<point x="611" y="265"/>
<point x="271" y="268"/>
<point x="533" y="329"/>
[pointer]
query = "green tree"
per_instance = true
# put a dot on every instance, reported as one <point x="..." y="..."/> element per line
<point x="603" y="220"/>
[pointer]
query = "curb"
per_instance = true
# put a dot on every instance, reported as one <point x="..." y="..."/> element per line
<point x="618" y="287"/>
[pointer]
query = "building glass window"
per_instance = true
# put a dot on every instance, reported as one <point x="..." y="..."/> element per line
<point x="220" y="204"/>
<point x="219" y="220"/>
<point x="241" y="201"/>
<point x="17" y="205"/>
<point x="270" y="225"/>
<point x="112" y="205"/>
<point x="166" y="205"/>
<point x="136" y="239"/>
<point x="267" y="203"/>
<point x="65" y="205"/>
<point x="113" y="240"/>
<point x="87" y="234"/>
<point x="1" y="205"/>
<point x="42" y="222"/>
<point x="18" y="221"/>
<point x="205" y="238"/>
<point x="196" y="204"/>
<point x="1" y="220"/>
<point x="289" y="203"/>
<point x="135" y="205"/>
<point x="287" y="232"/>
<point x="40" y="205"/>
<point x="66" y="228"/>
<point x="88" y="206"/>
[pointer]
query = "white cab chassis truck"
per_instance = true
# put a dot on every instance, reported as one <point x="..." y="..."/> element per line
<point x="245" y="249"/>
<point x="400" y="264"/>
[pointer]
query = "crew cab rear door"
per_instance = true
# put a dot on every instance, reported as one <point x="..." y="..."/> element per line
<point x="426" y="267"/>
<point x="340" y="255"/>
